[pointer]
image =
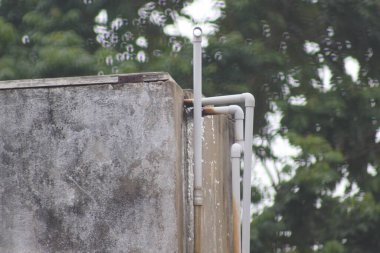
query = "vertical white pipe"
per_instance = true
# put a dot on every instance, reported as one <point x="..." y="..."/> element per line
<point x="197" y="76"/>
<point x="198" y="174"/>
<point x="246" y="221"/>
<point x="239" y="132"/>
<point x="236" y="150"/>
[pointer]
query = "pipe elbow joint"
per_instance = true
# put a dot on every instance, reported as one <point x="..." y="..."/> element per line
<point x="249" y="99"/>
<point x="236" y="150"/>
<point x="237" y="111"/>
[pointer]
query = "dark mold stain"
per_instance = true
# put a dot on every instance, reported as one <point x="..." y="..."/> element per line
<point x="54" y="238"/>
<point x="138" y="78"/>
<point x="5" y="159"/>
<point x="100" y="240"/>
<point x="135" y="165"/>
<point x="56" y="129"/>
<point x="77" y="127"/>
<point x="128" y="191"/>
<point x="80" y="206"/>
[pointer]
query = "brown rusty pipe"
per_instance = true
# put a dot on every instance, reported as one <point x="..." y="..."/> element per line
<point x="188" y="102"/>
<point x="198" y="221"/>
<point x="206" y="111"/>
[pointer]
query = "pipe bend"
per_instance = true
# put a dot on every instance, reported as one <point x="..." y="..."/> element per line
<point x="249" y="99"/>
<point x="236" y="150"/>
<point x="229" y="109"/>
<point x="237" y="111"/>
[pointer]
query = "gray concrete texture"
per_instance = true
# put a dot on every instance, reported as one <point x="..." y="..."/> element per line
<point x="103" y="164"/>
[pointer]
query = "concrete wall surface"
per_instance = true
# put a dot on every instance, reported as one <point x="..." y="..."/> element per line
<point x="92" y="168"/>
<point x="103" y="164"/>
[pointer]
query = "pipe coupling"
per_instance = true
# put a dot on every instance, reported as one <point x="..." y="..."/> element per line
<point x="198" y="197"/>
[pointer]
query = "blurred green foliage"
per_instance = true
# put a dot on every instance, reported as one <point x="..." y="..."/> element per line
<point x="274" y="49"/>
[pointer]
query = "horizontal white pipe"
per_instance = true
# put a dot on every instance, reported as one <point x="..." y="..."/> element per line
<point x="236" y="151"/>
<point x="247" y="98"/>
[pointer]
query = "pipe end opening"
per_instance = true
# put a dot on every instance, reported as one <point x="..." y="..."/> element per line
<point x="197" y="32"/>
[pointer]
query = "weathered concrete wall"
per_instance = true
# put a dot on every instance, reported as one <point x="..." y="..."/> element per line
<point x="93" y="168"/>
<point x="104" y="164"/>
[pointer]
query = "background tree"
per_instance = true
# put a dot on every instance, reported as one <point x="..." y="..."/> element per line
<point x="55" y="38"/>
<point x="335" y="125"/>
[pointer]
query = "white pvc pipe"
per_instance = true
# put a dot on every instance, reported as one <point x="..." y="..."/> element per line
<point x="197" y="76"/>
<point x="197" y="140"/>
<point x="246" y="222"/>
<point x="249" y="102"/>
<point x="247" y="98"/>
<point x="236" y="151"/>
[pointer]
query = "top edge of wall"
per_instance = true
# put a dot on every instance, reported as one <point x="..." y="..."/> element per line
<point x="85" y="80"/>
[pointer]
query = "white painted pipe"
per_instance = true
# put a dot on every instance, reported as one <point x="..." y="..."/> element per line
<point x="238" y="116"/>
<point x="197" y="139"/>
<point x="236" y="151"/>
<point x="197" y="76"/>
<point x="247" y="98"/>
<point x="246" y="221"/>
<point x="249" y="102"/>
